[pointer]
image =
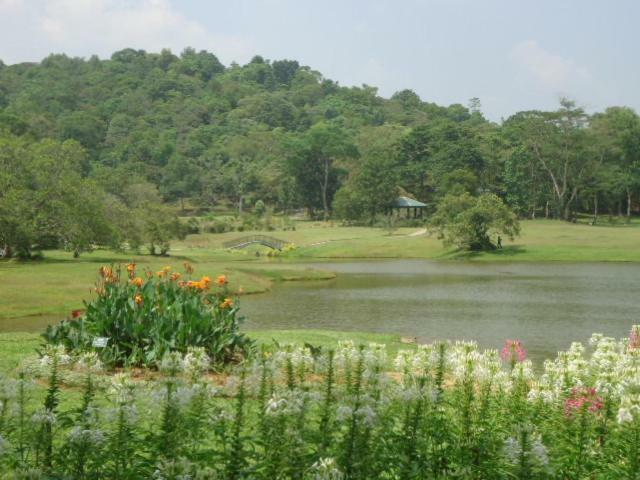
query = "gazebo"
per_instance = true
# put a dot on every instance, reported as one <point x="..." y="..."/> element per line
<point x="408" y="204"/>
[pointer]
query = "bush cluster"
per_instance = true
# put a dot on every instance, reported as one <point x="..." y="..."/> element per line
<point x="444" y="411"/>
<point x="134" y="320"/>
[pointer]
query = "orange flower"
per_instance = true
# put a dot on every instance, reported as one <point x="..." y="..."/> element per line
<point x="206" y="280"/>
<point x="228" y="303"/>
<point x="187" y="267"/>
<point x="149" y="273"/>
<point x="137" y="282"/>
<point x="131" y="268"/>
<point x="175" y="276"/>
<point x="161" y="273"/>
<point x="138" y="299"/>
<point x="221" y="280"/>
<point x="106" y="272"/>
<point x="192" y="284"/>
<point x="182" y="284"/>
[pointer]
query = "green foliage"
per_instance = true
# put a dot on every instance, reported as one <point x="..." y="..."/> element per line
<point x="142" y="319"/>
<point x="474" y="223"/>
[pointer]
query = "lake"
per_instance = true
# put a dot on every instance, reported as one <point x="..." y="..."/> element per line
<point x="546" y="305"/>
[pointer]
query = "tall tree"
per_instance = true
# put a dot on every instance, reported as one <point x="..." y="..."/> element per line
<point x="314" y="162"/>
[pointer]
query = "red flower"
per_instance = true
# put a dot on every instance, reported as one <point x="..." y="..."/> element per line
<point x="583" y="398"/>
<point x="513" y="351"/>
<point x="76" y="313"/>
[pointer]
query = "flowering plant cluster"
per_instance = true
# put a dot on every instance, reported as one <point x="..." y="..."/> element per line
<point x="137" y="317"/>
<point x="445" y="410"/>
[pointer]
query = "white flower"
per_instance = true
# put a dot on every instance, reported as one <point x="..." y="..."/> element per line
<point x="44" y="417"/>
<point x="90" y="361"/>
<point x="196" y="361"/>
<point x="86" y="436"/>
<point x="624" y="415"/>
<point x="171" y="363"/>
<point x="367" y="415"/>
<point x="344" y="412"/>
<point x="121" y="389"/>
<point x="326" y="469"/>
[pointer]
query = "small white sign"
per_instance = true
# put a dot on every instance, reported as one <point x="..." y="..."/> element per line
<point x="100" y="342"/>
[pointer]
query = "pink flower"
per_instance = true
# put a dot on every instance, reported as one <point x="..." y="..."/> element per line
<point x="634" y="337"/>
<point x="583" y="398"/>
<point x="513" y="351"/>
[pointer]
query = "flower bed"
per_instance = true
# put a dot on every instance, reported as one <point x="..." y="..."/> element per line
<point x="443" y="411"/>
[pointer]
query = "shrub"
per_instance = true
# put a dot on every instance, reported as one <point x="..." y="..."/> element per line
<point x="141" y="319"/>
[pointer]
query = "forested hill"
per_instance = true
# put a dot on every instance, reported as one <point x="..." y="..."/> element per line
<point x="189" y="124"/>
<point x="143" y="127"/>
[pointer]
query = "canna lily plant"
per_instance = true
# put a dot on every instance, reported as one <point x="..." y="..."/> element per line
<point x="135" y="319"/>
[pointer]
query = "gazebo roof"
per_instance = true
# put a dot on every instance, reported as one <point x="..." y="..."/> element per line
<point x="406" y="202"/>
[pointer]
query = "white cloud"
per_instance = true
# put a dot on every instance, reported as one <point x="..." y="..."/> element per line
<point x="550" y="70"/>
<point x="31" y="29"/>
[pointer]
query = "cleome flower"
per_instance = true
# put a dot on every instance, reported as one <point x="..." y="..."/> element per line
<point x="582" y="399"/>
<point x="513" y="352"/>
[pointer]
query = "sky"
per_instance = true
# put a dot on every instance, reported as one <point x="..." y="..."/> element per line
<point x="512" y="54"/>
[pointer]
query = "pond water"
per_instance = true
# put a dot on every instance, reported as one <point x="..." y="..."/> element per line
<point x="546" y="305"/>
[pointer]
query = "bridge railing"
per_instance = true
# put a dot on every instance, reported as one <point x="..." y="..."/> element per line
<point x="266" y="240"/>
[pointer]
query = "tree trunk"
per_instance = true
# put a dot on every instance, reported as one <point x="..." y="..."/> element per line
<point x="546" y="210"/>
<point x="628" y="205"/>
<point x="595" y="209"/>
<point x="8" y="252"/>
<point x="324" y="186"/>
<point x="240" y="200"/>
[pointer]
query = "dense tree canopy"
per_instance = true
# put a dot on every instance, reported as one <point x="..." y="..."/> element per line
<point x="201" y="134"/>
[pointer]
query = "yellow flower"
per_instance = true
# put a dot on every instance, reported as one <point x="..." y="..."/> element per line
<point x="167" y="269"/>
<point x="228" y="303"/>
<point x="137" y="282"/>
<point x="138" y="299"/>
<point x="221" y="280"/>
